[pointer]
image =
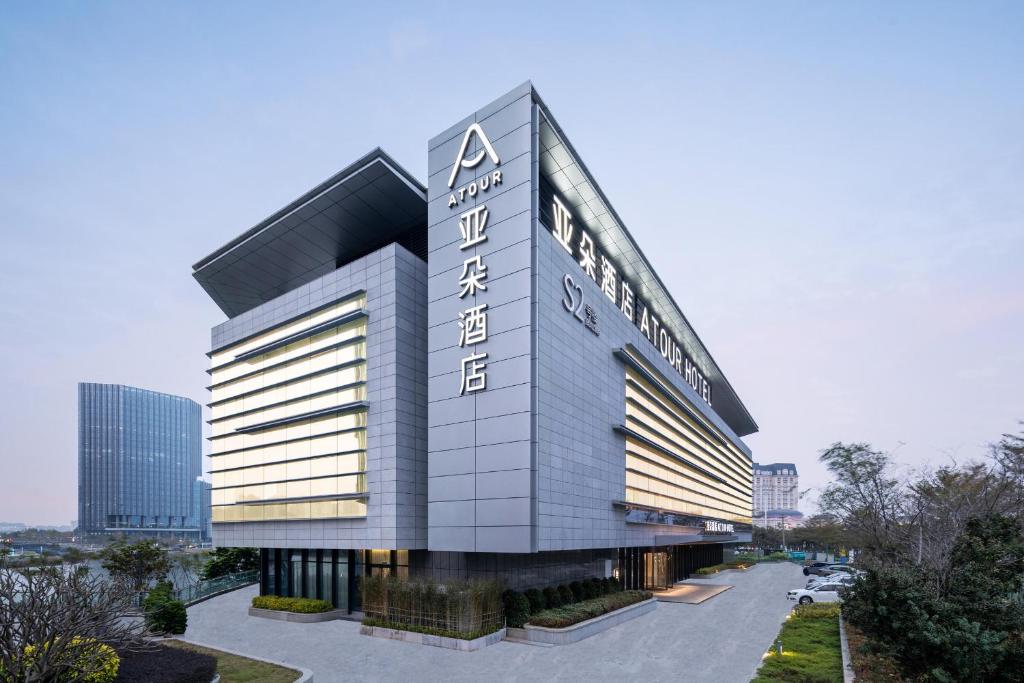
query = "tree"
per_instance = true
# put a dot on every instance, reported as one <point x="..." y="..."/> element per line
<point x="59" y="624"/>
<point x="140" y="563"/>
<point x="968" y="629"/>
<point x="231" y="561"/>
<point x="866" y="499"/>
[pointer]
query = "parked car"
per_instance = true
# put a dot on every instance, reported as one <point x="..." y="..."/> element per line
<point x="845" y="569"/>
<point x="845" y="579"/>
<point x="816" y="568"/>
<point x="824" y="592"/>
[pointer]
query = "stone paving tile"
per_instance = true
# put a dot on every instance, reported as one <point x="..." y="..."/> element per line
<point x="691" y="594"/>
<point x="719" y="641"/>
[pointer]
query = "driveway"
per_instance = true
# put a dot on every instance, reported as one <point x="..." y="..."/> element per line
<point x="718" y="641"/>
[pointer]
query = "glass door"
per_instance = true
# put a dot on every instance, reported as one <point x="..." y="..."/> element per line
<point x="656" y="566"/>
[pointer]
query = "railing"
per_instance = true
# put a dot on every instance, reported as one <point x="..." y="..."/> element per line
<point x="207" y="587"/>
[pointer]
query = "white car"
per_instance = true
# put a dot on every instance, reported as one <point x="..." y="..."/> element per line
<point x="823" y="592"/>
<point x="845" y="579"/>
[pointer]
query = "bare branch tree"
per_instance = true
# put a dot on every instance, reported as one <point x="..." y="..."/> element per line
<point x="53" y="620"/>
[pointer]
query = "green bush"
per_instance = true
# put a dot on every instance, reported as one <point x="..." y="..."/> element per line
<point x="517" y="608"/>
<point x="566" y="595"/>
<point x="83" y="655"/>
<point x="537" y="601"/>
<point x="162" y="612"/>
<point x="552" y="597"/>
<point x="613" y="585"/>
<point x="590" y="588"/>
<point x="577" y="591"/>
<point x="588" y="609"/>
<point x="298" y="605"/>
<point x="969" y="627"/>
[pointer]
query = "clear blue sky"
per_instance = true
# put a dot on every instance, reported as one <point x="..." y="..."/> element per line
<point x="846" y="228"/>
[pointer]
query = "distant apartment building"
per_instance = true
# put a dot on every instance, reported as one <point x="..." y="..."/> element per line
<point x="776" y="495"/>
<point x="139" y="458"/>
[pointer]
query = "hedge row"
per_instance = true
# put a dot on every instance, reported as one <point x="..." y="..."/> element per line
<point x="300" y="605"/>
<point x="560" y="617"/>
<point x="519" y="606"/>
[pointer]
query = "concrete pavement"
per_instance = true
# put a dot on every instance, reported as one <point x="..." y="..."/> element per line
<point x="718" y="641"/>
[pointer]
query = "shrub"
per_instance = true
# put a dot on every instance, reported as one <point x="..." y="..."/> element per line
<point x="581" y="611"/>
<point x="298" y="605"/>
<point x="98" y="662"/>
<point x="552" y="597"/>
<point x="577" y="590"/>
<point x="168" y="617"/>
<point x="537" y="601"/>
<point x="600" y="587"/>
<point x="517" y="608"/>
<point x="613" y="584"/>
<point x="567" y="597"/>
<point x="163" y="613"/>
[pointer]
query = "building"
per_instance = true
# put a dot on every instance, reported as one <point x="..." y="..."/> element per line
<point x="479" y="376"/>
<point x="777" y="495"/>
<point x="201" y="498"/>
<point x="139" y="454"/>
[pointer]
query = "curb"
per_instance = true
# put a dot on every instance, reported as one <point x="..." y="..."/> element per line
<point x="844" y="645"/>
<point x="306" y="674"/>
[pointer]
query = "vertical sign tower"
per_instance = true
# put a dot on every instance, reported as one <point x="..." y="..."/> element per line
<point x="481" y="222"/>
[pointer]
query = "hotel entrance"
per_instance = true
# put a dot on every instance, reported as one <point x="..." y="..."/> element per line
<point x="660" y="567"/>
<point x="658" y="574"/>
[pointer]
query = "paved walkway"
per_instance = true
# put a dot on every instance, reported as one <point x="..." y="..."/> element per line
<point x="691" y="593"/>
<point x="719" y="641"/>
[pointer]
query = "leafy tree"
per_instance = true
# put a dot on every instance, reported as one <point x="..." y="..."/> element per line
<point x="231" y="561"/>
<point x="866" y="498"/>
<point x="140" y="563"/>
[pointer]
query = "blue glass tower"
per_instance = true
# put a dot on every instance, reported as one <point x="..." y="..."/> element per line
<point x="139" y="455"/>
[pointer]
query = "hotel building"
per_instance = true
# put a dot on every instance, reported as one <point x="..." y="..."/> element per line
<point x="481" y="375"/>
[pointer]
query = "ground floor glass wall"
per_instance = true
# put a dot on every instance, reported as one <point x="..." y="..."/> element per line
<point x="331" y="575"/>
<point x="658" y="567"/>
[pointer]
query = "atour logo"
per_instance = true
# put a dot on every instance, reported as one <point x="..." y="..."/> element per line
<point x="461" y="161"/>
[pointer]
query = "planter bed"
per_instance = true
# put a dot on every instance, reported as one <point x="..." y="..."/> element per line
<point x="584" y="629"/>
<point x="449" y="642"/>
<point x="298" y="617"/>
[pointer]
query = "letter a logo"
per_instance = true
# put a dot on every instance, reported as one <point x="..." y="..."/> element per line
<point x="462" y="162"/>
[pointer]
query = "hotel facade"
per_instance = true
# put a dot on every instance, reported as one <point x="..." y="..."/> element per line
<point x="480" y="376"/>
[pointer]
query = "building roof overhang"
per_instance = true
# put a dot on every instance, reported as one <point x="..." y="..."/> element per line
<point x="562" y="165"/>
<point x="365" y="206"/>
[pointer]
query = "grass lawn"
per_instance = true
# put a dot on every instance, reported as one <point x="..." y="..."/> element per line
<point x="810" y="648"/>
<point x="235" y="669"/>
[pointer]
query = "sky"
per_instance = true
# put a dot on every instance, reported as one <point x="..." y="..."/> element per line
<point x="834" y="193"/>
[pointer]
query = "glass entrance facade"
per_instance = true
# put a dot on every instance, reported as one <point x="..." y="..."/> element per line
<point x="658" y="567"/>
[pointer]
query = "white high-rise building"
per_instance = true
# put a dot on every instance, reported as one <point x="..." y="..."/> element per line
<point x="776" y="495"/>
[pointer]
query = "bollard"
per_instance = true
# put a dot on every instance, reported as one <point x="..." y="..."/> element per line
<point x="778" y="646"/>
